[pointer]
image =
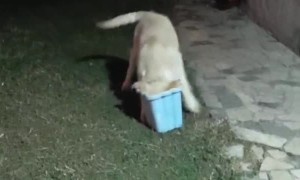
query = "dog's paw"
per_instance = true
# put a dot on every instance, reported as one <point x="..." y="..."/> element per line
<point x="137" y="86"/>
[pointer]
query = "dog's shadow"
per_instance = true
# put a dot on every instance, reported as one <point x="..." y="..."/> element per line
<point x="116" y="68"/>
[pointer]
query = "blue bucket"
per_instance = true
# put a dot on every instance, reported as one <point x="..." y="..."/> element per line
<point x="164" y="110"/>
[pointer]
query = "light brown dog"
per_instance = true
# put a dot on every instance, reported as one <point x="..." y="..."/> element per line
<point x="155" y="54"/>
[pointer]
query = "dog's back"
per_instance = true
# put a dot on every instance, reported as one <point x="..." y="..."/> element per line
<point x="158" y="26"/>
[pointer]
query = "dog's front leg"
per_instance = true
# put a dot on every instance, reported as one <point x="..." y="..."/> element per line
<point x="130" y="70"/>
<point x="133" y="58"/>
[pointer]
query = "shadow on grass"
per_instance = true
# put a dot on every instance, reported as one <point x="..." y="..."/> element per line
<point x="116" y="68"/>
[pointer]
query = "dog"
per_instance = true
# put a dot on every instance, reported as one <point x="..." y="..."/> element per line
<point x="149" y="24"/>
<point x="155" y="54"/>
<point x="160" y="68"/>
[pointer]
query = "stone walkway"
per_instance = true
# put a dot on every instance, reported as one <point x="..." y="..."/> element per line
<point x="247" y="77"/>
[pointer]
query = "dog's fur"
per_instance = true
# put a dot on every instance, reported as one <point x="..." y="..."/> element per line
<point x="155" y="54"/>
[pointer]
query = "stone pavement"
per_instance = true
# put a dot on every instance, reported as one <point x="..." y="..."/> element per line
<point x="246" y="76"/>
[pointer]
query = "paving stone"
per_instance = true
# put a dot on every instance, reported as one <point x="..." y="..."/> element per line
<point x="269" y="127"/>
<point x="296" y="173"/>
<point x="218" y="114"/>
<point x="277" y="154"/>
<point x="270" y="164"/>
<point x="246" y="78"/>
<point x="291" y="115"/>
<point x="221" y="66"/>
<point x="228" y="71"/>
<point x="259" y="137"/>
<point x="291" y="104"/>
<point x="262" y="90"/>
<point x="211" y="100"/>
<point x="212" y="73"/>
<point x="295" y="160"/>
<point x="295" y="74"/>
<point x="227" y="98"/>
<point x="256" y="71"/>
<point x="276" y="75"/>
<point x="272" y="105"/>
<point x="280" y="54"/>
<point x="203" y="43"/>
<point x="240" y="114"/>
<point x="235" y="151"/>
<point x="263" y="113"/>
<point x="293" y="146"/>
<point x="281" y="175"/>
<point x="292" y="125"/>
<point x="258" y="152"/>
<point x="240" y="88"/>
<point x="269" y="96"/>
<point x="263" y="176"/>
<point x="246" y="98"/>
<point x="215" y="82"/>
<point x="246" y="166"/>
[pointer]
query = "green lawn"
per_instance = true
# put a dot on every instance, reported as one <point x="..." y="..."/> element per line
<point x="63" y="115"/>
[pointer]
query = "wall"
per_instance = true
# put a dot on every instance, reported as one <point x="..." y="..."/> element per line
<point x="280" y="17"/>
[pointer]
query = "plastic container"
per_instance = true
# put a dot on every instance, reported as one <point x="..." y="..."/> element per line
<point x="164" y="110"/>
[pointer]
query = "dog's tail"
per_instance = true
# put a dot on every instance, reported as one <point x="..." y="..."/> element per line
<point x="121" y="20"/>
<point x="190" y="101"/>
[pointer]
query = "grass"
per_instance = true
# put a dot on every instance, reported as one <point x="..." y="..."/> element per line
<point x="63" y="115"/>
